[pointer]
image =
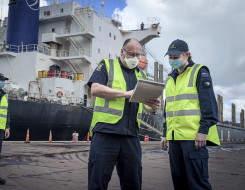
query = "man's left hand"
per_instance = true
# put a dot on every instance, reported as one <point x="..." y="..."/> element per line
<point x="7" y="133"/>
<point x="154" y="104"/>
<point x="200" y="140"/>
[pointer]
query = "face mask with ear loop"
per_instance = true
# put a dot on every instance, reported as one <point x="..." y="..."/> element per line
<point x="176" y="63"/>
<point x="131" y="62"/>
<point x="2" y="84"/>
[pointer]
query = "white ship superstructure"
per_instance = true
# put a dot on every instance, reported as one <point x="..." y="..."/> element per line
<point x="72" y="38"/>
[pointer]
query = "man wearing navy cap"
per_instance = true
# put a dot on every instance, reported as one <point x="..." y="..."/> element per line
<point x="191" y="117"/>
<point x="4" y="116"/>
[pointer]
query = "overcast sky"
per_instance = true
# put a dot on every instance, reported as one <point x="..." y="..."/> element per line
<point x="215" y="33"/>
<point x="213" y="29"/>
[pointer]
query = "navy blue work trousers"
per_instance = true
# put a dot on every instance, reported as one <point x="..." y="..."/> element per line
<point x="189" y="166"/>
<point x="2" y="133"/>
<point x="108" y="150"/>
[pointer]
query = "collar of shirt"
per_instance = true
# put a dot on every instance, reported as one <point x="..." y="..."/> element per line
<point x="127" y="69"/>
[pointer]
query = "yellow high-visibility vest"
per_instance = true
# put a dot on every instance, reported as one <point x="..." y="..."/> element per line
<point x="111" y="110"/>
<point x="183" y="113"/>
<point x="3" y="112"/>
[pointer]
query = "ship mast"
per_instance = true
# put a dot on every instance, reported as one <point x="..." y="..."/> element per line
<point x="102" y="10"/>
<point x="55" y="2"/>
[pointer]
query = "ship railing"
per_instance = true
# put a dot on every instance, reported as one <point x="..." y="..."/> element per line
<point x="152" y="122"/>
<point x="26" y="48"/>
<point x="70" y="53"/>
<point x="43" y="49"/>
<point x="69" y="31"/>
<point x="135" y="27"/>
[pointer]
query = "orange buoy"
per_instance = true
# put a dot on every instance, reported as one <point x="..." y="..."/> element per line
<point x="59" y="94"/>
<point x="143" y="62"/>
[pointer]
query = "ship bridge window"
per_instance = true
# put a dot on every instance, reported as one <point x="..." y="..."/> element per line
<point x="53" y="29"/>
<point x="99" y="50"/>
<point x="114" y="37"/>
<point x="109" y="34"/>
<point x="99" y="28"/>
<point x="61" y="10"/>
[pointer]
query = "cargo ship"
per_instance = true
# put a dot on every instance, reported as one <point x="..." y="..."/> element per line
<point x="48" y="53"/>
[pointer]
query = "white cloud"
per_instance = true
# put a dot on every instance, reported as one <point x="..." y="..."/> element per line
<point x="43" y="3"/>
<point x="214" y="31"/>
<point x="4" y="8"/>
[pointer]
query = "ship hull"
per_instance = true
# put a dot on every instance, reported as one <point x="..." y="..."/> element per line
<point x="41" y="117"/>
<point x="63" y="120"/>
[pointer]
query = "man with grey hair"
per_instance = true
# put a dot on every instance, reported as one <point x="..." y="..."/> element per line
<point x="116" y="121"/>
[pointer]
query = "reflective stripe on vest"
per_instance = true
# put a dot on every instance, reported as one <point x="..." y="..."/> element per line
<point x="143" y="74"/>
<point x="182" y="97"/>
<point x="183" y="113"/>
<point x="107" y="110"/>
<point x="140" y="115"/>
<point x="4" y="116"/>
<point x="192" y="75"/>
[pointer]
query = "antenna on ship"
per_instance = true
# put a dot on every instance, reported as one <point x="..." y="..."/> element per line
<point x="55" y="2"/>
<point x="102" y="10"/>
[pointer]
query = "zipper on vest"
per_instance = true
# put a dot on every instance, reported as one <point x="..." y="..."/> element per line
<point x="173" y="135"/>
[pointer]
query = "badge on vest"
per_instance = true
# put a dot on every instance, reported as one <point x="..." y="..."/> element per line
<point x="99" y="67"/>
<point x="206" y="83"/>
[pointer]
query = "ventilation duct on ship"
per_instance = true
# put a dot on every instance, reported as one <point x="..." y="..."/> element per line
<point x="18" y="94"/>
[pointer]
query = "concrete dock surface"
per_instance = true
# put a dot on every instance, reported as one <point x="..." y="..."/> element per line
<point x="63" y="165"/>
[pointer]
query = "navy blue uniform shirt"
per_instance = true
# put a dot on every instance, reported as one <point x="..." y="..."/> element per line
<point x="207" y="101"/>
<point x="128" y="124"/>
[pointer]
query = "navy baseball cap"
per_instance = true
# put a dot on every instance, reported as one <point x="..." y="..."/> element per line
<point x="177" y="47"/>
<point x="2" y="77"/>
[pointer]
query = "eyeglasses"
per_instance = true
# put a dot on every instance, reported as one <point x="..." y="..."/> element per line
<point x="138" y="55"/>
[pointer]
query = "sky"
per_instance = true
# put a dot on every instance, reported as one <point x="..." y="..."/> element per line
<point x="213" y="29"/>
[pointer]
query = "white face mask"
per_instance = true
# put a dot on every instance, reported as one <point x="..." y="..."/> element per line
<point x="131" y="62"/>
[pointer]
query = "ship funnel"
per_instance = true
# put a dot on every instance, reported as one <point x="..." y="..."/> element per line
<point x="23" y="22"/>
